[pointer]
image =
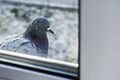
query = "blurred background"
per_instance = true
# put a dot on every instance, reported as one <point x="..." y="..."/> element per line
<point x="15" y="15"/>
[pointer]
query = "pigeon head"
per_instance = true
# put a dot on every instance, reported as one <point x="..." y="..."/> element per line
<point x="37" y="33"/>
<point x="41" y="24"/>
<point x="38" y="28"/>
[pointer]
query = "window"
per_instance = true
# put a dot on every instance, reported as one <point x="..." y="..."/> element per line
<point x="63" y="47"/>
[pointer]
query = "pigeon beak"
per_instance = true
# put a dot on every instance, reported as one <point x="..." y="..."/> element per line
<point x="49" y="30"/>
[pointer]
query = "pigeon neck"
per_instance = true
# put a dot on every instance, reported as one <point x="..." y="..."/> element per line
<point x="41" y="43"/>
<point x="40" y="40"/>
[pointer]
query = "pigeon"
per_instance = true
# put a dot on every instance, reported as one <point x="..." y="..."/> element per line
<point x="33" y="41"/>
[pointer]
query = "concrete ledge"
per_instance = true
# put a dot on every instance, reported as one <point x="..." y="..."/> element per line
<point x="45" y="3"/>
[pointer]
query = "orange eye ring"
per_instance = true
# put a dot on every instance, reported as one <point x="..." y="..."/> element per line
<point x="39" y="26"/>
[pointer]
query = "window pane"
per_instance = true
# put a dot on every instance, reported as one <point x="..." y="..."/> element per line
<point x="63" y="46"/>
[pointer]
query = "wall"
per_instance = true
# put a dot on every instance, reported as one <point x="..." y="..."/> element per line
<point x="100" y="40"/>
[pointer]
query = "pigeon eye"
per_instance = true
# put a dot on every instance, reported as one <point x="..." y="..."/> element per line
<point x="39" y="26"/>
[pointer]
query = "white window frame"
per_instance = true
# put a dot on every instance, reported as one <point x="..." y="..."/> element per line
<point x="40" y="65"/>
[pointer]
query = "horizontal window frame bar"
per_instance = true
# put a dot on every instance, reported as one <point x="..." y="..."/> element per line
<point x="36" y="63"/>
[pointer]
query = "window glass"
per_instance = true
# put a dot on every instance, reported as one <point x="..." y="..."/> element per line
<point x="14" y="19"/>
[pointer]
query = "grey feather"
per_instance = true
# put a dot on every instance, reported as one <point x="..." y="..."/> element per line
<point x="17" y="43"/>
